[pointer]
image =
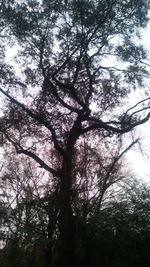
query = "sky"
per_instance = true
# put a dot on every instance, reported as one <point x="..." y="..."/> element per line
<point x="139" y="161"/>
<point x="139" y="158"/>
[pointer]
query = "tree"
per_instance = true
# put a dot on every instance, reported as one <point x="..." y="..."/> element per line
<point x="68" y="87"/>
<point x="120" y="230"/>
<point x="31" y="211"/>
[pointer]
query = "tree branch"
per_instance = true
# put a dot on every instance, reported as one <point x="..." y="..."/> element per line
<point x="109" y="128"/>
<point x="140" y="102"/>
<point x="38" y="160"/>
<point x="107" y="182"/>
<point x="26" y="152"/>
<point x="38" y="117"/>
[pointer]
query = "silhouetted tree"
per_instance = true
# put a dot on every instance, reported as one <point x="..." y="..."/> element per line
<point x="64" y="85"/>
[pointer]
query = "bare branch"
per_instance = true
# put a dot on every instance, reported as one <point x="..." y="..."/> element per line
<point x="32" y="155"/>
<point x="140" y="102"/>
<point x="105" y="125"/>
<point x="39" y="160"/>
<point x="107" y="184"/>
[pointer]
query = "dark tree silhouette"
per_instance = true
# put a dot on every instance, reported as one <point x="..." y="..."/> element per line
<point x="77" y="61"/>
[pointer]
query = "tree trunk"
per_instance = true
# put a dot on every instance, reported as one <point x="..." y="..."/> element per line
<point x="66" y="254"/>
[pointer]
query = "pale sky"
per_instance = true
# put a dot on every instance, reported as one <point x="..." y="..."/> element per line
<point x="140" y="162"/>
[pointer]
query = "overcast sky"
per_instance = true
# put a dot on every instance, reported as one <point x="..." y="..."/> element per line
<point x="140" y="162"/>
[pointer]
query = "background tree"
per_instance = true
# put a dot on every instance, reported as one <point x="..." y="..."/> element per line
<point x="66" y="54"/>
<point x="121" y="230"/>
<point x="31" y="213"/>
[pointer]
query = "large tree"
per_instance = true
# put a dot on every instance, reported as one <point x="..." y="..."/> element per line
<point x="75" y="65"/>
